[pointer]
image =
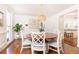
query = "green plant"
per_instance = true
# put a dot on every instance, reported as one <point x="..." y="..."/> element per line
<point x="17" y="28"/>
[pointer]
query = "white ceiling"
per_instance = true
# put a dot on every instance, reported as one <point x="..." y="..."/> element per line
<point x="37" y="9"/>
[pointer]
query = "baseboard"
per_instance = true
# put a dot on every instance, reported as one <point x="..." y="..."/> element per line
<point x="10" y="42"/>
<point x="6" y="45"/>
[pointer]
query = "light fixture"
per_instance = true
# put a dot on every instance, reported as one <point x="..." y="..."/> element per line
<point x="41" y="18"/>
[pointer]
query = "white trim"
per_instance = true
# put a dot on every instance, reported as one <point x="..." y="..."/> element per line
<point x="6" y="44"/>
<point x="75" y="7"/>
<point x="78" y="28"/>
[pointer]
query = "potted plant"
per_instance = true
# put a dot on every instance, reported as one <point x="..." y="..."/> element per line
<point x="17" y="28"/>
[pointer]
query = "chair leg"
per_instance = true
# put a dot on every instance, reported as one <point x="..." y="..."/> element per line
<point x="44" y="52"/>
<point x="47" y="49"/>
<point x="62" y="50"/>
<point x="58" y="49"/>
<point x="32" y="51"/>
<point x="21" y="50"/>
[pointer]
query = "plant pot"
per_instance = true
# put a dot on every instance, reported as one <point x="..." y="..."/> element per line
<point x="17" y="36"/>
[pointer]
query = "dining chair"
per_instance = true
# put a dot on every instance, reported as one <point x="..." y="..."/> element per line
<point x="57" y="44"/>
<point x="26" y="43"/>
<point x="38" y="42"/>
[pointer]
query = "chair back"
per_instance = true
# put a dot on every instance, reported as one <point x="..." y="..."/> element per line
<point x="22" y="35"/>
<point x="59" y="39"/>
<point x="38" y="38"/>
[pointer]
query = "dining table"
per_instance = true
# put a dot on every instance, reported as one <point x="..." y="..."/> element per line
<point x="48" y="36"/>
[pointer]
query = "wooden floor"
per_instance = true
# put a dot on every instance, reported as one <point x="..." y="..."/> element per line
<point x="14" y="48"/>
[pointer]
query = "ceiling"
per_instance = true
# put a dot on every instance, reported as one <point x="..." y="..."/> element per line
<point x="38" y="9"/>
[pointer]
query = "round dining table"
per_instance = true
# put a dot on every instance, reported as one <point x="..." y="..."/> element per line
<point x="48" y="36"/>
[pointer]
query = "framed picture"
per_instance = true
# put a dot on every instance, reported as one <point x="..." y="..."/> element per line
<point x="1" y="19"/>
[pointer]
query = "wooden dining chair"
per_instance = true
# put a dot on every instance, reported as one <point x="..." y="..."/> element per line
<point x="57" y="45"/>
<point x="38" y="42"/>
<point x="26" y="43"/>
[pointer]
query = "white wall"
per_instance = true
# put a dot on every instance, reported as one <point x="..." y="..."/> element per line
<point x="22" y="19"/>
<point x="51" y="24"/>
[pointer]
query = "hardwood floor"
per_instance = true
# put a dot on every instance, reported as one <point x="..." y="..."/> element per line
<point x="70" y="49"/>
<point x="14" y="48"/>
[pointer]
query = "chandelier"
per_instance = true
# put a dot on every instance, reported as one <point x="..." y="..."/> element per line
<point x="41" y="18"/>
